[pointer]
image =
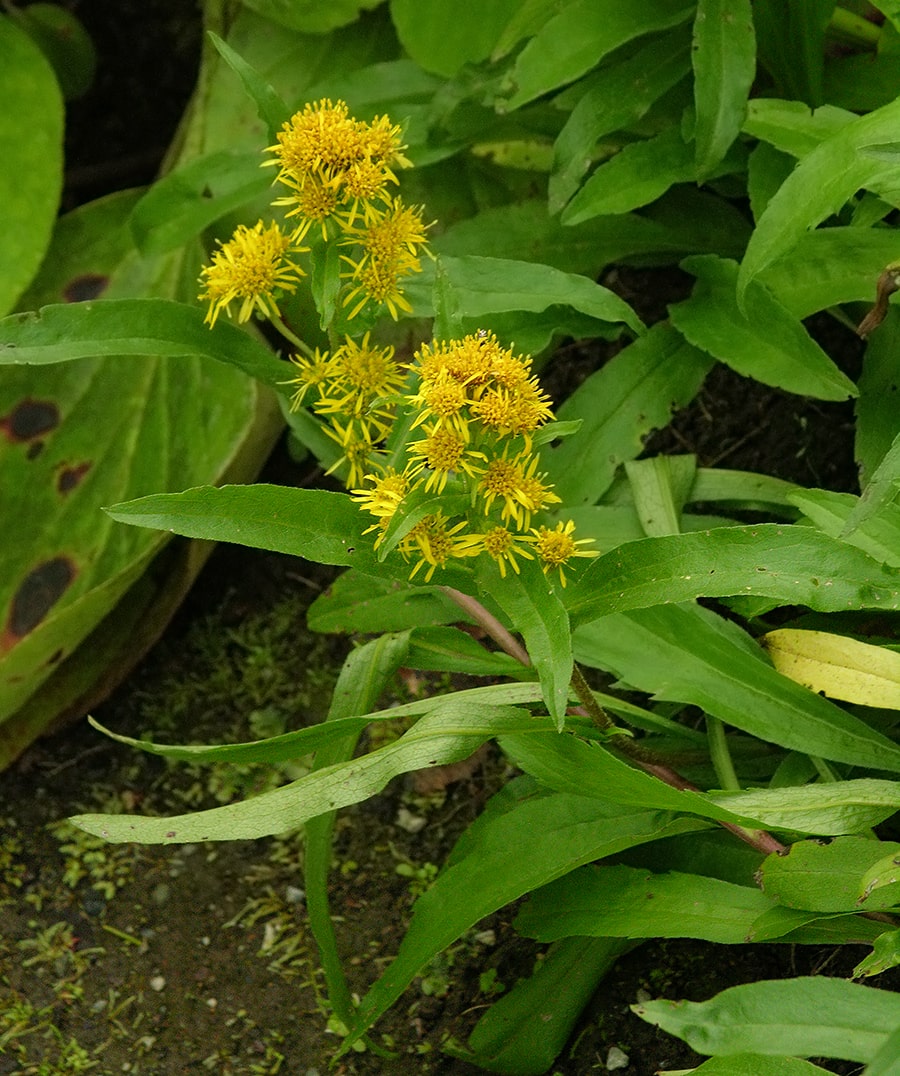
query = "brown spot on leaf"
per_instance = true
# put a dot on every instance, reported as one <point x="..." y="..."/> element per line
<point x="29" y="420"/>
<point x="34" y="450"/>
<point x="68" y="477"/>
<point x="55" y="656"/>
<point x="84" y="287"/>
<point x="38" y="592"/>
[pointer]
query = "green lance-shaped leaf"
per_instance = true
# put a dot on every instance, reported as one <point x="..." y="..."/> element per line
<point x="487" y="286"/>
<point x="31" y="131"/>
<point x="523" y="1032"/>
<point x="837" y="666"/>
<point x="885" y="954"/>
<point x="446" y="735"/>
<point x="795" y="565"/>
<point x="269" y="106"/>
<point x="881" y="491"/>
<point x="578" y="38"/>
<point x="133" y="327"/>
<point x="614" y="99"/>
<point x="829" y="877"/>
<point x="757" y="1065"/>
<point x="820" y="185"/>
<point x="815" y="1017"/>
<point x="878" y="536"/>
<point x="763" y="341"/>
<point x="536" y="840"/>
<point x="634" y="393"/>
<point x="724" y="61"/>
<point x="690" y="655"/>
<point x="368" y="603"/>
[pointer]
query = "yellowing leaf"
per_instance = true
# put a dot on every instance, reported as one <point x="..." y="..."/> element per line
<point x="836" y="666"/>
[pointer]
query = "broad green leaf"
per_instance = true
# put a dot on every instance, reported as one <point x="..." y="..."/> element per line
<point x="634" y="393"/>
<point x="689" y="654"/>
<point x="793" y="564"/>
<point x="444" y="35"/>
<point x="523" y="1032"/>
<point x="763" y="341"/>
<point x="820" y="184"/>
<point x="540" y="838"/>
<point x="876" y="408"/>
<point x="491" y="285"/>
<point x="31" y="158"/>
<point x="180" y="205"/>
<point x="724" y="60"/>
<point x="532" y="605"/>
<point x="368" y="603"/>
<point x="448" y="734"/>
<point x="818" y="1017"/>
<point x="767" y="169"/>
<point x="582" y="34"/>
<point x="831" y="266"/>
<point x="637" y="175"/>
<point x="756" y="1065"/>
<point x="614" y="98"/>
<point x="624" y="902"/>
<point x="878" y="536"/>
<point x="826" y="809"/>
<point x="683" y="221"/>
<point x="836" y="666"/>
<point x="827" y="877"/>
<point x="885" y="954"/>
<point x="58" y="334"/>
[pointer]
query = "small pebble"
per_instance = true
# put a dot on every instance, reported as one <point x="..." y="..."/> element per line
<point x="157" y="983"/>
<point x="294" y="894"/>
<point x="412" y="823"/>
<point x="616" y="1059"/>
<point x="486" y="937"/>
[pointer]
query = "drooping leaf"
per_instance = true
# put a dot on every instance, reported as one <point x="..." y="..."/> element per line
<point x="448" y="734"/>
<point x="762" y="341"/>
<point x="31" y="131"/>
<point x="885" y="954"/>
<point x="814" y="1017"/>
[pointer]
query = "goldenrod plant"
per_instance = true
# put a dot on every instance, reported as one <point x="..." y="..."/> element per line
<point x="736" y="778"/>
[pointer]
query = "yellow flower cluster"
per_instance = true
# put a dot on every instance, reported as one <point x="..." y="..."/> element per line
<point x="471" y="421"/>
<point x="338" y="172"/>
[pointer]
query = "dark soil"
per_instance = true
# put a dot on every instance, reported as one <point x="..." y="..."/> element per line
<point x="155" y="961"/>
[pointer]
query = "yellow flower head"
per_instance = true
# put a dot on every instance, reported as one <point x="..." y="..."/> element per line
<point x="343" y="161"/>
<point x="390" y="240"/>
<point x="251" y="266"/>
<point x="435" y="542"/>
<point x="500" y="543"/>
<point x="556" y="547"/>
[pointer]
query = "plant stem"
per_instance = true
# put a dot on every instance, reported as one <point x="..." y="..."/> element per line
<point x="649" y="761"/>
<point x="721" y="756"/>
<point x="291" y="336"/>
<point x="854" y="28"/>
